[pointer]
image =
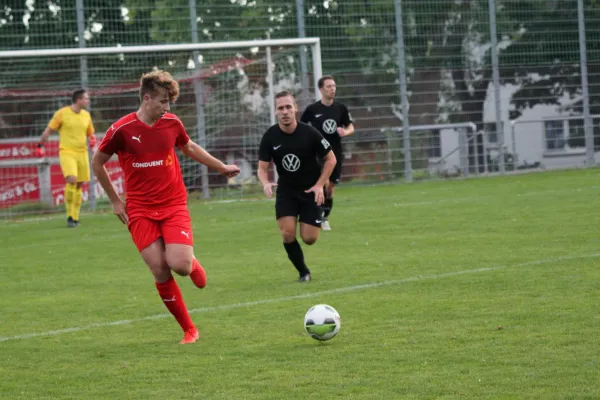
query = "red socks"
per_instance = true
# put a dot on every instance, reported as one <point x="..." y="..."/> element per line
<point x="198" y="275"/>
<point x="171" y="296"/>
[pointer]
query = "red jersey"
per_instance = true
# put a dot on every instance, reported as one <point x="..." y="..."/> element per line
<point x="147" y="156"/>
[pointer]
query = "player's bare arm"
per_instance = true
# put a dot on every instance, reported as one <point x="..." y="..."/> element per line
<point x="98" y="166"/>
<point x="346" y="131"/>
<point x="328" y="166"/>
<point x="263" y="177"/>
<point x="46" y="134"/>
<point x="197" y="153"/>
<point x="43" y="139"/>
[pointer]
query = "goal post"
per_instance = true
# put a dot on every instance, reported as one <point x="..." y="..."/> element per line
<point x="225" y="102"/>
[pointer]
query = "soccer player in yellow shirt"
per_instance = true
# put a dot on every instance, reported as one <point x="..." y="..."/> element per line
<point x="74" y="125"/>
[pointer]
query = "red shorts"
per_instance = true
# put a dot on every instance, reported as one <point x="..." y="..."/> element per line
<point x="174" y="225"/>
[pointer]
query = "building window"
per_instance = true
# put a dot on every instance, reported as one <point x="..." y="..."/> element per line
<point x="435" y="144"/>
<point x="489" y="129"/>
<point x="554" y="135"/>
<point x="596" y="134"/>
<point x="559" y="138"/>
<point x="576" y="133"/>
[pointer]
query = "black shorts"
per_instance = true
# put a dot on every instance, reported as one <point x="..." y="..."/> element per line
<point x="337" y="170"/>
<point x="297" y="203"/>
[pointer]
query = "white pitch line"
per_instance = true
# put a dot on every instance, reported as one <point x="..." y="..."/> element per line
<point x="299" y="296"/>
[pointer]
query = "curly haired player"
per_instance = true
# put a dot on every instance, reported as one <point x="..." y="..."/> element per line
<point x="155" y="209"/>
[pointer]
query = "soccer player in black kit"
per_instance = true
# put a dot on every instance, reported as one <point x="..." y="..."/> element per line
<point x="296" y="150"/>
<point x="333" y="120"/>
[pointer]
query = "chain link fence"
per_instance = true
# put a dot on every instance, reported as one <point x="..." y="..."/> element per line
<point x="436" y="88"/>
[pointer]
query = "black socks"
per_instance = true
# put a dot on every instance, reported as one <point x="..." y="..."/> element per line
<point x="327" y="206"/>
<point x="296" y="256"/>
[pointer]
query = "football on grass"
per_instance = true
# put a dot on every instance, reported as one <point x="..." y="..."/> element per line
<point x="322" y="322"/>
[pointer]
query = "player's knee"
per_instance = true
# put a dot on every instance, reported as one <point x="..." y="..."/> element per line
<point x="160" y="270"/>
<point x="309" y="239"/>
<point x="182" y="265"/>
<point x="71" y="180"/>
<point x="162" y="275"/>
<point x="287" y="235"/>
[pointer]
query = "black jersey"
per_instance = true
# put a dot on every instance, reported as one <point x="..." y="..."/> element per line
<point x="327" y="119"/>
<point x="296" y="155"/>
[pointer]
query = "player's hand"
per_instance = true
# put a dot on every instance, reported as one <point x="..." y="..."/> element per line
<point x="341" y="131"/>
<point x="39" y="151"/>
<point x="230" y="170"/>
<point x="92" y="141"/>
<point x="268" y="189"/>
<point x="119" y="211"/>
<point x="319" y="194"/>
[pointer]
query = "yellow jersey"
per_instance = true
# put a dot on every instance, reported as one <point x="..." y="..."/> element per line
<point x="73" y="128"/>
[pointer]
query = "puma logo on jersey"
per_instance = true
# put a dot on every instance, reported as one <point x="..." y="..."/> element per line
<point x="186" y="234"/>
<point x="138" y="138"/>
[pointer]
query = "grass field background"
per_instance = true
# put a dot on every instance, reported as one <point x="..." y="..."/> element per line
<point x="474" y="289"/>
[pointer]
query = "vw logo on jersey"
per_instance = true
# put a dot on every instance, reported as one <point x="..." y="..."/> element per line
<point x="329" y="126"/>
<point x="290" y="162"/>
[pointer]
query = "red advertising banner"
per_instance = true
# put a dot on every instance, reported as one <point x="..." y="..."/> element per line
<point x="20" y="181"/>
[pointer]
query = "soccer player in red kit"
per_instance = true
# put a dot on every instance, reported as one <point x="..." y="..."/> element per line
<point x="155" y="209"/>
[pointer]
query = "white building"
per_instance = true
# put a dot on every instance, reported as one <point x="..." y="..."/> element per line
<point x="544" y="134"/>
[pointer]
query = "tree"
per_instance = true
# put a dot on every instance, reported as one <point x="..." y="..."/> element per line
<point x="28" y="26"/>
<point x="25" y="25"/>
<point x="32" y="87"/>
<point x="216" y="20"/>
<point x="543" y="59"/>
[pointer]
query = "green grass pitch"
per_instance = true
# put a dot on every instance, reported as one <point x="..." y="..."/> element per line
<point x="466" y="289"/>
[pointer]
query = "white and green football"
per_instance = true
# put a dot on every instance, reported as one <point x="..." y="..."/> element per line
<point x="322" y="322"/>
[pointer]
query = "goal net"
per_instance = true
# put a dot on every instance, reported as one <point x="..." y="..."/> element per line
<point x="225" y="103"/>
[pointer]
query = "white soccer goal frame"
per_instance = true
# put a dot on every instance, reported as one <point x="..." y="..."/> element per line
<point x="313" y="43"/>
